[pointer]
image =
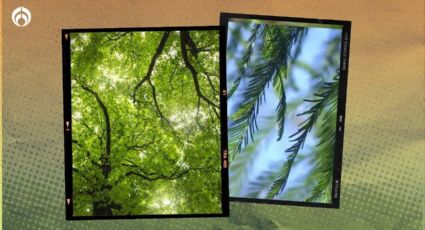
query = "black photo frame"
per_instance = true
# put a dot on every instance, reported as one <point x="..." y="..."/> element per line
<point x="225" y="18"/>
<point x="66" y="56"/>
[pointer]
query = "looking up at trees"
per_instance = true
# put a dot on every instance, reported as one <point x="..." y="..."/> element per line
<point x="145" y="123"/>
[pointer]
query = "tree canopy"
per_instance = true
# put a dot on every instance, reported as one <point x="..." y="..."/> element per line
<point x="145" y="123"/>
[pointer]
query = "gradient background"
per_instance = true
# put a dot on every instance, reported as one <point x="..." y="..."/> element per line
<point x="383" y="164"/>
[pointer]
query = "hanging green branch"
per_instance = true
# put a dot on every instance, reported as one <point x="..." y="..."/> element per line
<point x="324" y="155"/>
<point x="328" y="95"/>
<point x="272" y="67"/>
<point x="257" y="31"/>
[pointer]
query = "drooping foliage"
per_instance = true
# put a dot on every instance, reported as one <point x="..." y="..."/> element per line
<point x="264" y="64"/>
<point x="272" y="67"/>
<point x="145" y="123"/>
<point x="324" y="99"/>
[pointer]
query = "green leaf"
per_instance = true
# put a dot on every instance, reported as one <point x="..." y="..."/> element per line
<point x="271" y="67"/>
<point x="327" y="94"/>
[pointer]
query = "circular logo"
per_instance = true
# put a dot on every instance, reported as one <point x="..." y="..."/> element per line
<point x="21" y="16"/>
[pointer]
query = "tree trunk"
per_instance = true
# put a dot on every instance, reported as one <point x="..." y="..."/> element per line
<point x="100" y="210"/>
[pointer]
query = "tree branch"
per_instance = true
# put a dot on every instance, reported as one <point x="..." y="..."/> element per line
<point x="203" y="49"/>
<point x="113" y="38"/>
<point x="170" y="80"/>
<point x="193" y="48"/>
<point x="173" y="176"/>
<point x="178" y="172"/>
<point x="133" y="147"/>
<point x="151" y="65"/>
<point x="105" y="157"/>
<point x="210" y="82"/>
<point x="158" y="110"/>
<point x="184" y="37"/>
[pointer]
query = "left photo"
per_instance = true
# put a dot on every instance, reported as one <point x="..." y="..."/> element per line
<point x="142" y="123"/>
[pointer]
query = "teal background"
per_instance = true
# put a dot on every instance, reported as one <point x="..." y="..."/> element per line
<point x="383" y="161"/>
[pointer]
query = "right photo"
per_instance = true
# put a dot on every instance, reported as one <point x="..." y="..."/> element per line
<point x="286" y="96"/>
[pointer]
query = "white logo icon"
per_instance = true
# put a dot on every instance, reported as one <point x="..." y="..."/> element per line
<point x="21" y="16"/>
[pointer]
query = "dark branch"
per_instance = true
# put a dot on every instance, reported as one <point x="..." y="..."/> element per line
<point x="184" y="37"/>
<point x="152" y="64"/>
<point x="144" y="146"/>
<point x="114" y="38"/>
<point x="105" y="157"/>
<point x="170" y="80"/>
<point x="193" y="48"/>
<point x="175" y="175"/>
<point x="210" y="82"/>
<point x="158" y="110"/>
<point x="204" y="49"/>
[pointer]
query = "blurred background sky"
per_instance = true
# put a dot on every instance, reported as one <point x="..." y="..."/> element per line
<point x="269" y="154"/>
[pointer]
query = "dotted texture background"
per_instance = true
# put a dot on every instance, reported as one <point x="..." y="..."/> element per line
<point x="383" y="164"/>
